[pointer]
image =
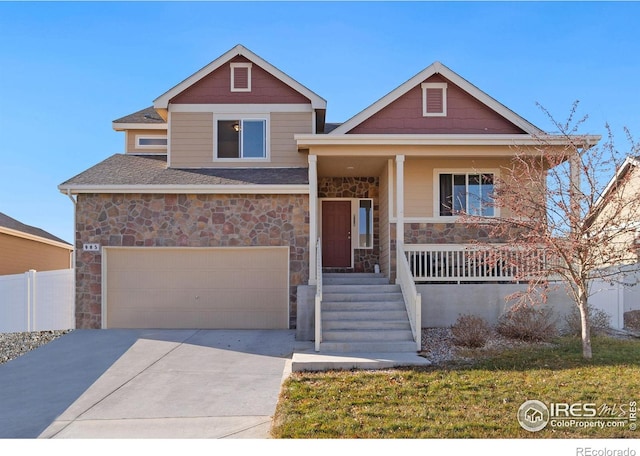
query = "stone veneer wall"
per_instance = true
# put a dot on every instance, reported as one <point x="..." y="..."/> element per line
<point x="146" y="220"/>
<point x="445" y="233"/>
<point x="364" y="260"/>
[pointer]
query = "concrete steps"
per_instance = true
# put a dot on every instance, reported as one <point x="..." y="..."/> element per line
<point x="364" y="313"/>
<point x="355" y="278"/>
<point x="365" y="325"/>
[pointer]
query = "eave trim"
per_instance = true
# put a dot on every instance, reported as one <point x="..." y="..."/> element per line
<point x="306" y="140"/>
<point x="275" y="189"/>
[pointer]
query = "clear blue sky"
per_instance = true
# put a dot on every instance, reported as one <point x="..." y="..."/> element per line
<point x="68" y="69"/>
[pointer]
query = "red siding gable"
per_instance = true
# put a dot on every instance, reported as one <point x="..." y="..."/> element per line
<point x="215" y="88"/>
<point x="465" y="115"/>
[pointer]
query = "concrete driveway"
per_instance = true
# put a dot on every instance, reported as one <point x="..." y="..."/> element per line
<point x="146" y="384"/>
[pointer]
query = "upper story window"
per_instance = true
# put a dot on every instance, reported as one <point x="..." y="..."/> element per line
<point x="241" y="139"/>
<point x="434" y="99"/>
<point x="241" y="77"/>
<point x="469" y="193"/>
<point x="151" y="141"/>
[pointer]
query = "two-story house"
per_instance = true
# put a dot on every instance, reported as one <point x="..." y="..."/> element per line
<point x="233" y="195"/>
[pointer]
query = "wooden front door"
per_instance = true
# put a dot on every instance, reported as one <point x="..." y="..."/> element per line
<point x="336" y="234"/>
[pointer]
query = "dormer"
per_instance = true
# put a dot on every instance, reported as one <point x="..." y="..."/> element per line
<point x="436" y="101"/>
<point x="238" y="111"/>
<point x="145" y="132"/>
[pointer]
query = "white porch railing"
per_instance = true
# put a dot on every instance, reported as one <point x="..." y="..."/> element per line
<point x="318" y="309"/>
<point x="412" y="299"/>
<point x="471" y="263"/>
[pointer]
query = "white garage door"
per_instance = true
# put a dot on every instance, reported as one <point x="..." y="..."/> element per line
<point x="212" y="288"/>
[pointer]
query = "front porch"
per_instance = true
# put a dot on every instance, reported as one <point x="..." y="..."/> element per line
<point x="358" y="225"/>
<point x="434" y="284"/>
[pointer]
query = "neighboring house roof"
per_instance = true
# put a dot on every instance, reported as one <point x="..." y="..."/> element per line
<point x="437" y="68"/>
<point x="622" y="172"/>
<point x="13" y="227"/>
<point x="147" y="118"/>
<point x="162" y="102"/>
<point x="149" y="174"/>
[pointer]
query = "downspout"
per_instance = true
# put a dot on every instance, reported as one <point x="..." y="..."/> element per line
<point x="73" y="258"/>
<point x="71" y="197"/>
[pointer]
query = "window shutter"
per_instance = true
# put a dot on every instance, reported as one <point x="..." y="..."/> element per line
<point x="435" y="101"/>
<point x="241" y="78"/>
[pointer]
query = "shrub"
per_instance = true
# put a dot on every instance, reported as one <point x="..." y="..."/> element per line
<point x="632" y="319"/>
<point x="470" y="331"/>
<point x="529" y="323"/>
<point x="598" y="319"/>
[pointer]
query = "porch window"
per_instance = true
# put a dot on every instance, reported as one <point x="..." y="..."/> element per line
<point x="365" y="224"/>
<point x="242" y="138"/>
<point x="466" y="192"/>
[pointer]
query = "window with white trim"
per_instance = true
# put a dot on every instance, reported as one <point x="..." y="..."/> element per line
<point x="151" y="141"/>
<point x="241" y="139"/>
<point x="469" y="193"/>
<point x="241" y="77"/>
<point x="365" y="224"/>
<point x="434" y="99"/>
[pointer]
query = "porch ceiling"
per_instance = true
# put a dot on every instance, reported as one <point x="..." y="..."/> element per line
<point x="351" y="166"/>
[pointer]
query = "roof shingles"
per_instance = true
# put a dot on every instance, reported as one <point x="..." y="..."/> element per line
<point x="13" y="224"/>
<point x="145" y="116"/>
<point x="126" y="170"/>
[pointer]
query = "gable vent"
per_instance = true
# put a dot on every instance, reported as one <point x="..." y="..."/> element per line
<point x="241" y="77"/>
<point x="434" y="99"/>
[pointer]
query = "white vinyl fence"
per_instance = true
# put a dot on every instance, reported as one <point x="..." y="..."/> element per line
<point x="616" y="298"/>
<point x="37" y="301"/>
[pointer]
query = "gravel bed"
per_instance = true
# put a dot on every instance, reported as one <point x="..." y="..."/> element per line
<point x="13" y="345"/>
<point x="438" y="346"/>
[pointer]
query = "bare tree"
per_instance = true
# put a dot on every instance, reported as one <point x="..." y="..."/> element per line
<point x="566" y="217"/>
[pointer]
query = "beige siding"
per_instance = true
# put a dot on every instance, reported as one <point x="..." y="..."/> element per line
<point x="192" y="141"/>
<point x="131" y="142"/>
<point x="18" y="255"/>
<point x="621" y="211"/>
<point x="284" y="151"/>
<point x="215" y="288"/>
<point x="419" y="180"/>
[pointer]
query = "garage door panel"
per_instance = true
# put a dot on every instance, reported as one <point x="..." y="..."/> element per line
<point x="197" y="288"/>
<point x="169" y="279"/>
<point x="198" y="320"/>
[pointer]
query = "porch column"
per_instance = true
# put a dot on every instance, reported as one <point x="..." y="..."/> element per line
<point x="575" y="167"/>
<point x="313" y="216"/>
<point x="399" y="206"/>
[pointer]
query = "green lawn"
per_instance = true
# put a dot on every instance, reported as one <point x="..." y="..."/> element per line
<point x="478" y="400"/>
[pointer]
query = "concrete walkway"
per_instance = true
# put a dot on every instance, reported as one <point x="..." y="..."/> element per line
<point x="146" y="384"/>
<point x="305" y="358"/>
<point x="161" y="383"/>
